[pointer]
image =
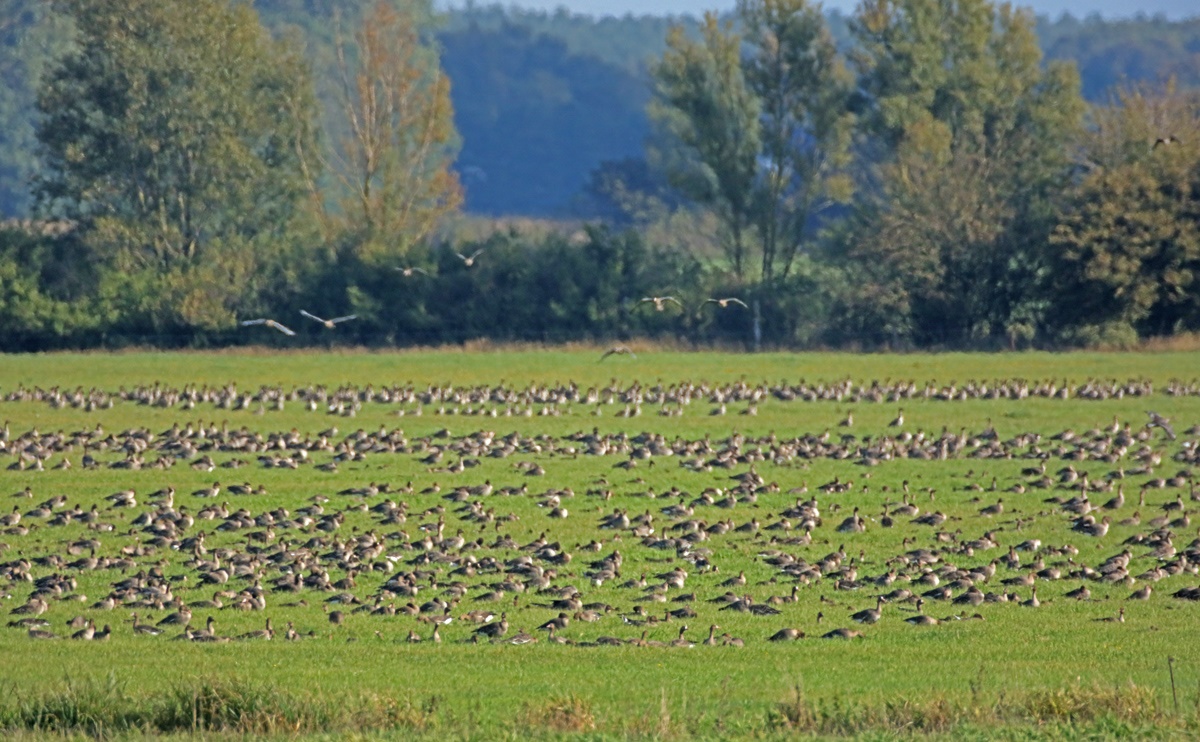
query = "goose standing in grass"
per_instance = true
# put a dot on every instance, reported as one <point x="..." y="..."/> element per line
<point x="869" y="615"/>
<point x="921" y="619"/>
<point x="269" y="323"/>
<point x="844" y="634"/>
<point x="493" y="630"/>
<point x="329" y="323"/>
<point x="681" y="641"/>
<point x="146" y="629"/>
<point x="786" y="635"/>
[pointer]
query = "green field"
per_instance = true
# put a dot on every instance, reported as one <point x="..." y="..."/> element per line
<point x="1055" y="669"/>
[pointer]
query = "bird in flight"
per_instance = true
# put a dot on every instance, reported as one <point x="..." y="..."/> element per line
<point x="269" y="323"/>
<point x="660" y="302"/>
<point x="469" y="261"/>
<point x="618" y="350"/>
<point x="329" y="323"/>
<point x="1158" y="421"/>
<point x="411" y="271"/>
<point x="724" y="303"/>
<point x="1167" y="140"/>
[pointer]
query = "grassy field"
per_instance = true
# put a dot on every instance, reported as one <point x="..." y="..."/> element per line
<point x="1059" y="668"/>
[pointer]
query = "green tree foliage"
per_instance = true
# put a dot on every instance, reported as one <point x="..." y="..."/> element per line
<point x="1127" y="249"/>
<point x="706" y="104"/>
<point x="974" y="132"/>
<point x="802" y="87"/>
<point x="171" y="136"/>
<point x="757" y="127"/>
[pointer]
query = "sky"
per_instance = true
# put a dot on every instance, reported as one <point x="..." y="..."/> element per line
<point x="1173" y="9"/>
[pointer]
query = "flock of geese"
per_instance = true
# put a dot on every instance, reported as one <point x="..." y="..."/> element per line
<point x="494" y="400"/>
<point x="659" y="303"/>
<point x="485" y="538"/>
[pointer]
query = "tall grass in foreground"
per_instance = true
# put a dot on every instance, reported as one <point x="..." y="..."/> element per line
<point x="104" y="709"/>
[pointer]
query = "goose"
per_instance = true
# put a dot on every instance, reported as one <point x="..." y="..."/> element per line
<point x="264" y="633"/>
<point x="786" y="635"/>
<point x="844" y="634"/>
<point x="1157" y="420"/>
<point x="87" y="633"/>
<point x="1033" y="601"/>
<point x="493" y="630"/>
<point x="680" y="641"/>
<point x="469" y="261"/>
<point x="145" y="629"/>
<point x="1119" y="618"/>
<point x="1164" y="141"/>
<point x="660" y="302"/>
<point x="1080" y="593"/>
<point x="869" y="615"/>
<point x="410" y="271"/>
<point x="269" y="323"/>
<point x="1141" y="594"/>
<point x="921" y="619"/>
<point x="711" y="641"/>
<point x="724" y="303"/>
<point x="329" y="323"/>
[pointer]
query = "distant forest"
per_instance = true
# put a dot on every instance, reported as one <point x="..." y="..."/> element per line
<point x="542" y="99"/>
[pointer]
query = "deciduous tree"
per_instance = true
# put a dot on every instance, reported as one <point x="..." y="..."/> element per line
<point x="394" y="140"/>
<point x="170" y="136"/>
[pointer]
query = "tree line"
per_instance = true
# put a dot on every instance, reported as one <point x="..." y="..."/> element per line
<point x="933" y="183"/>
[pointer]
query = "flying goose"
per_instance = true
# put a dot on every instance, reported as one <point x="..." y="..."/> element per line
<point x="618" y="350"/>
<point x="410" y="271"/>
<point x="269" y="323"/>
<point x="1157" y="420"/>
<point x="724" y="303"/>
<point x="660" y="302"/>
<point x="329" y="323"/>
<point x="469" y="261"/>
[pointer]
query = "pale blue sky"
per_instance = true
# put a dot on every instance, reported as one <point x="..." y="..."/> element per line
<point x="1173" y="9"/>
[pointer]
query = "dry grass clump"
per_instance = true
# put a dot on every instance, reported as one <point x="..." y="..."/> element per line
<point x="937" y="714"/>
<point x="568" y="713"/>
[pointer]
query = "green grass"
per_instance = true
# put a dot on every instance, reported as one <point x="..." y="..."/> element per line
<point x="1019" y="668"/>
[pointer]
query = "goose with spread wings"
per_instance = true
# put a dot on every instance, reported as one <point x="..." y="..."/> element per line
<point x="618" y="350"/>
<point x="269" y="323"/>
<point x="412" y="270"/>
<point x="660" y="302"/>
<point x="329" y="323"/>
<point x="724" y="303"/>
<point x="469" y="260"/>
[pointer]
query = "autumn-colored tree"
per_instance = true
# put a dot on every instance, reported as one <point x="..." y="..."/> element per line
<point x="391" y="148"/>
